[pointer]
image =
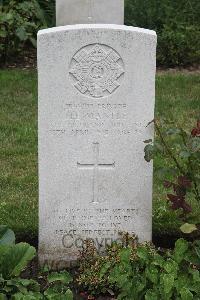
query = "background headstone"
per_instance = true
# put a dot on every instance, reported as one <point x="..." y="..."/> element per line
<point x="89" y="11"/>
<point x="96" y="97"/>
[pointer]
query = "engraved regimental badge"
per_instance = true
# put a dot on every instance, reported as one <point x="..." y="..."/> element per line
<point x="96" y="70"/>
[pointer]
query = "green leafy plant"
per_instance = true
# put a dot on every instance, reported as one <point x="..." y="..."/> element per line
<point x="20" y="289"/>
<point x="140" y="271"/>
<point x="48" y="7"/>
<point x="176" y="24"/>
<point x="59" y="286"/>
<point x="14" y="258"/>
<point x="7" y="236"/>
<point x="178" y="33"/>
<point x="19" y="23"/>
<point x="182" y="149"/>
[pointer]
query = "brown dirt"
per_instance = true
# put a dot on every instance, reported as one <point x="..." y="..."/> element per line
<point x="25" y="60"/>
<point x="189" y="70"/>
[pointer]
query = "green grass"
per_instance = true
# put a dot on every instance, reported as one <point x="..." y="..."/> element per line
<point x="18" y="151"/>
<point x="178" y="105"/>
<point x="178" y="99"/>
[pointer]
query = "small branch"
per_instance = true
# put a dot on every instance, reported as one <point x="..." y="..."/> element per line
<point x="168" y="149"/>
<point x="196" y="190"/>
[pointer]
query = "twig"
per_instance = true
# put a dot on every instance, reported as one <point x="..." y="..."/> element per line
<point x="168" y="149"/>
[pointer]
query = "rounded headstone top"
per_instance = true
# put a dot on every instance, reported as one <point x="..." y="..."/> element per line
<point x="97" y="26"/>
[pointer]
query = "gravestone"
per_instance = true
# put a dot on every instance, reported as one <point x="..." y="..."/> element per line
<point x="96" y="97"/>
<point x="89" y="11"/>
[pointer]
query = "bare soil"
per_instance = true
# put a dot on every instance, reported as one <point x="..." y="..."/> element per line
<point x="195" y="69"/>
<point x="24" y="60"/>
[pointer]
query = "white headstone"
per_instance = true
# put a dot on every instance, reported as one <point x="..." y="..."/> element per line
<point x="70" y="12"/>
<point x="96" y="97"/>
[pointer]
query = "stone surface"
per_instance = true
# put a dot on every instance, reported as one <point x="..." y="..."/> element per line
<point x="69" y="12"/>
<point x="96" y="97"/>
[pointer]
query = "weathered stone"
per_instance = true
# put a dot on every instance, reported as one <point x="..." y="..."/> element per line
<point x="69" y="12"/>
<point x="96" y="97"/>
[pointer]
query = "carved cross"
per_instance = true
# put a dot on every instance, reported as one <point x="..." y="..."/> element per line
<point x="95" y="166"/>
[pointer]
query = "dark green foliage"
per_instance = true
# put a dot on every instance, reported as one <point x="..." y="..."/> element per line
<point x="7" y="236"/>
<point x="49" y="9"/>
<point x="177" y="24"/>
<point x="182" y="149"/>
<point x="14" y="258"/>
<point x="59" y="286"/>
<point x="19" y="23"/>
<point x="140" y="271"/>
